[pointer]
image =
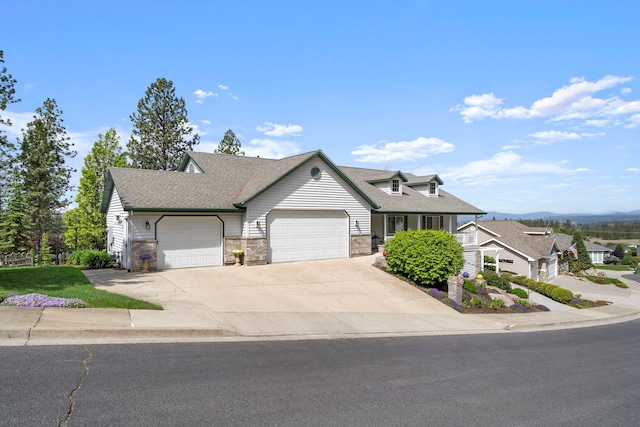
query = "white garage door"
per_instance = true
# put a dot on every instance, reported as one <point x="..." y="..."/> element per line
<point x="552" y="268"/>
<point x="189" y="241"/>
<point x="306" y="235"/>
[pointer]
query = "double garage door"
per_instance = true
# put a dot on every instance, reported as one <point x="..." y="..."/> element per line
<point x="189" y="241"/>
<point x="307" y="235"/>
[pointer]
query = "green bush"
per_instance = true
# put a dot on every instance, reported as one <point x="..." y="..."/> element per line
<point x="91" y="259"/>
<point x="523" y="302"/>
<point x="496" y="303"/>
<point x="469" y="286"/>
<point x="427" y="257"/>
<point x="493" y="279"/>
<point x="562" y="295"/>
<point x="519" y="292"/>
<point x="476" y="302"/>
<point x="627" y="259"/>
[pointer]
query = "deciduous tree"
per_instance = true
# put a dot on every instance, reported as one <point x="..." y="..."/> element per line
<point x="230" y="144"/>
<point x="85" y="225"/>
<point x="161" y="131"/>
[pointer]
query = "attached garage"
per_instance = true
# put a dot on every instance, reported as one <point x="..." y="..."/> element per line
<point x="189" y="241"/>
<point x="307" y="235"/>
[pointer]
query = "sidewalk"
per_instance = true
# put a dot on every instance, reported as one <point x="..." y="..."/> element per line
<point x="184" y="323"/>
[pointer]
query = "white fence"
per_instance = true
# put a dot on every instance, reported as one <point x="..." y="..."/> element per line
<point x="467" y="239"/>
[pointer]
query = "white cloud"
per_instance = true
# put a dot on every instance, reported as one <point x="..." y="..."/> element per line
<point x="205" y="122"/>
<point x="277" y="130"/>
<point x="574" y="101"/>
<point x="18" y="123"/>
<point x="547" y="137"/>
<point x="223" y="87"/>
<point x="419" y="148"/>
<point x="625" y="90"/>
<point x="510" y="147"/>
<point x="633" y="169"/>
<point x="202" y="95"/>
<point x="271" y="148"/>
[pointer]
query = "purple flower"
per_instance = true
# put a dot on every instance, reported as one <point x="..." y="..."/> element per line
<point x="39" y="300"/>
<point x="519" y="307"/>
<point x="435" y="293"/>
<point x="542" y="307"/>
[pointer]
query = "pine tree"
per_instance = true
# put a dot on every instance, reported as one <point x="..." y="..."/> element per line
<point x="583" y="262"/>
<point x="15" y="228"/>
<point x="7" y="96"/>
<point x="43" y="173"/>
<point x="85" y="225"/>
<point x="46" y="256"/>
<point x="230" y="144"/>
<point x="160" y="129"/>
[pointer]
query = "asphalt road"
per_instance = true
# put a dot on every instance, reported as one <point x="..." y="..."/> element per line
<point x="581" y="377"/>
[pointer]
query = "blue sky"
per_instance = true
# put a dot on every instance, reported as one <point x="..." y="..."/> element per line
<point x="518" y="106"/>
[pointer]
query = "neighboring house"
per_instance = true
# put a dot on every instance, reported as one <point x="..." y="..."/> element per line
<point x="526" y="251"/>
<point x="596" y="252"/>
<point x="298" y="208"/>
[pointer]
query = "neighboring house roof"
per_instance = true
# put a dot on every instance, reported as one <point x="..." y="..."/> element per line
<point x="564" y="241"/>
<point x="411" y="200"/>
<point x="238" y="179"/>
<point x="529" y="241"/>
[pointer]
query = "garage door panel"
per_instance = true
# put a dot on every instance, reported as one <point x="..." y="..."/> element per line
<point x="306" y="235"/>
<point x="185" y="241"/>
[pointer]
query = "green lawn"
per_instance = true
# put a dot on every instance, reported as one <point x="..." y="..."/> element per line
<point x="64" y="282"/>
<point x="606" y="281"/>
<point x="614" y="267"/>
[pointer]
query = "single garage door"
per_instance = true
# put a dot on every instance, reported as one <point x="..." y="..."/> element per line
<point x="189" y="241"/>
<point x="552" y="268"/>
<point x="306" y="235"/>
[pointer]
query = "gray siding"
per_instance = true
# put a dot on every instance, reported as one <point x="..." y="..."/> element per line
<point x="299" y="191"/>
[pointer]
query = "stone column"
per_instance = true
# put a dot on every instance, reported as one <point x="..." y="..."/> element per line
<point x="455" y="286"/>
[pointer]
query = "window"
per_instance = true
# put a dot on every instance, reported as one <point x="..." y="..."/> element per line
<point x="395" y="185"/>
<point x="433" y="188"/>
<point x="191" y="168"/>
<point x="394" y="224"/>
<point x="432" y="222"/>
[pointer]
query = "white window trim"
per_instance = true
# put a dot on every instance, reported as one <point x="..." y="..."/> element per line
<point x="435" y="189"/>
<point x="399" y="190"/>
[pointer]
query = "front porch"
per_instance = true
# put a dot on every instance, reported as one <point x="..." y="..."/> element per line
<point x="384" y="226"/>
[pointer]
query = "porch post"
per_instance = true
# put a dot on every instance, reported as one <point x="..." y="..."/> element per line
<point x="384" y="227"/>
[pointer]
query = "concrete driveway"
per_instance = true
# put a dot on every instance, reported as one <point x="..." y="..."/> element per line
<point x="328" y="286"/>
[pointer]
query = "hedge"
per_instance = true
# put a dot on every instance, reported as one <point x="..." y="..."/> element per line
<point x="554" y="292"/>
<point x="91" y="259"/>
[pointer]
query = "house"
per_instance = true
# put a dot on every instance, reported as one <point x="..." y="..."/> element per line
<point x="297" y="208"/>
<point x="596" y="252"/>
<point x="526" y="251"/>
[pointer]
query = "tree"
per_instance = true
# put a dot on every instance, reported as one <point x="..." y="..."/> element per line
<point x="43" y="173"/>
<point x="230" y="144"/>
<point x="46" y="257"/>
<point x="160" y="129"/>
<point x="619" y="251"/>
<point x="15" y="228"/>
<point x="85" y="225"/>
<point x="7" y="96"/>
<point x="583" y="261"/>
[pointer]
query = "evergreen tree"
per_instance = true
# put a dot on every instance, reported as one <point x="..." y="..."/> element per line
<point x="583" y="262"/>
<point x="619" y="251"/>
<point x="7" y="96"/>
<point x="15" y="228"/>
<point x="230" y="144"/>
<point x="46" y="256"/>
<point x="85" y="225"/>
<point x="44" y="175"/>
<point x="160" y="129"/>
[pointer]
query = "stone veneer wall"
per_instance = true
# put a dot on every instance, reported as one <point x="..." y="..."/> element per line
<point x="360" y="244"/>
<point x="255" y="250"/>
<point x="139" y="247"/>
<point x="479" y="261"/>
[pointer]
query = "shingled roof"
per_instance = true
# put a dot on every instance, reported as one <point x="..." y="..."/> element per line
<point x="411" y="200"/>
<point x="238" y="179"/>
<point x="528" y="240"/>
<point x="564" y="241"/>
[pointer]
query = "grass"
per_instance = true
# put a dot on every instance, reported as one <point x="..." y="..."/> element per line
<point x="606" y="281"/>
<point x="64" y="282"/>
<point x="614" y="267"/>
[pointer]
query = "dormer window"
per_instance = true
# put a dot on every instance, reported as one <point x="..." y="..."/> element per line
<point x="433" y="189"/>
<point x="395" y="186"/>
<point x="191" y="168"/>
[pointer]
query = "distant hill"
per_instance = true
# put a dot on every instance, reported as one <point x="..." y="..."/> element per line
<point x="577" y="218"/>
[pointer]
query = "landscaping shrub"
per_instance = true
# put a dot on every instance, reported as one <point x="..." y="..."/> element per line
<point x="519" y="292"/>
<point x="493" y="279"/>
<point x="611" y="259"/>
<point x="562" y="295"/>
<point x="428" y="257"/>
<point x="626" y="260"/>
<point x="496" y="303"/>
<point x="92" y="259"/>
<point x="476" y="302"/>
<point x="469" y="286"/>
